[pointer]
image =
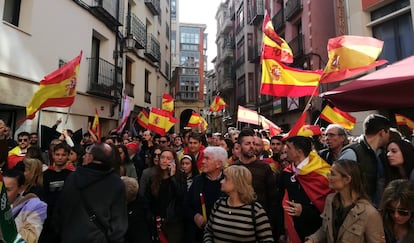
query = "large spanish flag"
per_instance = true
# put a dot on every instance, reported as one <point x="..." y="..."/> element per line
<point x="273" y="46"/>
<point x="167" y="103"/>
<point x="403" y="120"/>
<point x="336" y="116"/>
<point x="350" y="56"/>
<point x="57" y="89"/>
<point x="160" y="121"/>
<point x="142" y="118"/>
<point x="218" y="104"/>
<point x="281" y="80"/>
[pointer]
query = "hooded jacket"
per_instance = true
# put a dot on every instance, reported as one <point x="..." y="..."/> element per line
<point x="105" y="193"/>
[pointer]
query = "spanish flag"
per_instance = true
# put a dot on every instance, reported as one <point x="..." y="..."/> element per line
<point x="142" y="118"/>
<point x="269" y="125"/>
<point x="195" y="120"/>
<point x="281" y="80"/>
<point x="203" y="124"/>
<point x="350" y="56"/>
<point x="313" y="177"/>
<point x="247" y="115"/>
<point x="160" y="121"/>
<point x="294" y="131"/>
<point x="218" y="104"/>
<point x="402" y="120"/>
<point x="57" y="89"/>
<point x="336" y="116"/>
<point x="167" y="103"/>
<point x="96" y="127"/>
<point x="273" y="46"/>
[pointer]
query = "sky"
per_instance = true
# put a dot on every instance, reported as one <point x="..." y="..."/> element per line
<point x="202" y="12"/>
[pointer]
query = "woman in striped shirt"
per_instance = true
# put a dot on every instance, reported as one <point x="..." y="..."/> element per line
<point x="238" y="218"/>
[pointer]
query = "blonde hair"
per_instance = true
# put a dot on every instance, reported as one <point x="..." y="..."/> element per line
<point x="131" y="187"/>
<point x="34" y="175"/>
<point x="242" y="180"/>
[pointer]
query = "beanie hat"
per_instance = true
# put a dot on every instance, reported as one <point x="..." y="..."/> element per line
<point x="132" y="146"/>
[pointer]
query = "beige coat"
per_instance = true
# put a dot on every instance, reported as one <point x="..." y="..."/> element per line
<point x="363" y="224"/>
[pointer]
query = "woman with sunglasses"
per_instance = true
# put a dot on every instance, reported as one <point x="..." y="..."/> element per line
<point x="348" y="215"/>
<point x="397" y="207"/>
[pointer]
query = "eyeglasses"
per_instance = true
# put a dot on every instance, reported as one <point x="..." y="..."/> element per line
<point x="400" y="211"/>
<point x="157" y="155"/>
<point x="23" y="139"/>
<point x="163" y="141"/>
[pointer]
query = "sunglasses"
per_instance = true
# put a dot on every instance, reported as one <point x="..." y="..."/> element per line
<point x="23" y="140"/>
<point x="157" y="155"/>
<point x="400" y="211"/>
<point x="163" y="141"/>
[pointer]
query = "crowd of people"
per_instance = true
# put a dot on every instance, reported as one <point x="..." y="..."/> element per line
<point x="242" y="186"/>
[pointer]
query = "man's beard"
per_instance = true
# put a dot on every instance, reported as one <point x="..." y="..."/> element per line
<point x="248" y="154"/>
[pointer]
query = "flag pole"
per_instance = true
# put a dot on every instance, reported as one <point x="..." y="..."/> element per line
<point x="39" y="130"/>
<point x="67" y="115"/>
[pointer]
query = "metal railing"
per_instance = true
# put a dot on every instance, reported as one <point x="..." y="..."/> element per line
<point x="101" y="78"/>
<point x="152" y="49"/>
<point x="292" y="8"/>
<point x="136" y="28"/>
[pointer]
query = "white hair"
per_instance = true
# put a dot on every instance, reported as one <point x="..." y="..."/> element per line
<point x="218" y="153"/>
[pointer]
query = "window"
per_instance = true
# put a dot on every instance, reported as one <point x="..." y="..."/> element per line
<point x="189" y="87"/>
<point x="173" y="45"/>
<point x="190" y="59"/>
<point x="396" y="32"/>
<point x="167" y="69"/>
<point x="173" y="9"/>
<point x="190" y="35"/>
<point x="11" y="11"/>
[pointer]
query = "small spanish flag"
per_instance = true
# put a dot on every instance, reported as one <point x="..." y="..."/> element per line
<point x="96" y="127"/>
<point x="195" y="120"/>
<point x="336" y="116"/>
<point x="403" y="120"/>
<point x="167" y="103"/>
<point x="218" y="104"/>
<point x="160" y="121"/>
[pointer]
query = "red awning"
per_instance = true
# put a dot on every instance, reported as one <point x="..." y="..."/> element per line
<point x="389" y="88"/>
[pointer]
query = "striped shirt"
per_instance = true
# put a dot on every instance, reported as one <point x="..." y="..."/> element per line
<point x="236" y="224"/>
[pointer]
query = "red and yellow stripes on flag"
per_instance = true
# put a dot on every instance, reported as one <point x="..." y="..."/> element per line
<point x="167" y="103"/>
<point x="269" y="125"/>
<point x="160" y="121"/>
<point x="281" y="80"/>
<point x="403" y="120"/>
<point x="203" y="124"/>
<point x="247" y="115"/>
<point x="302" y="129"/>
<point x="218" y="104"/>
<point x="273" y="46"/>
<point x="142" y="118"/>
<point x="350" y="56"/>
<point x="96" y="127"/>
<point x="337" y="116"/>
<point x="57" y="89"/>
<point x="195" y="120"/>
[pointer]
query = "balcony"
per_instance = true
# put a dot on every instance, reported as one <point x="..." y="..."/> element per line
<point x="152" y="50"/>
<point x="136" y="28"/>
<point x="109" y="12"/>
<point x="296" y="44"/>
<point x="102" y="80"/>
<point x="187" y="95"/>
<point x="227" y="54"/>
<point x="227" y="26"/>
<point x="292" y="8"/>
<point x="255" y="12"/>
<point x="225" y="82"/>
<point x="153" y="6"/>
<point x="129" y="89"/>
<point x="278" y="21"/>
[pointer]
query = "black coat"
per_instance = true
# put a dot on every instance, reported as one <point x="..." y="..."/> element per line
<point x="105" y="192"/>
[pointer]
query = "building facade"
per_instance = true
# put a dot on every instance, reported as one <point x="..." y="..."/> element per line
<point x="188" y="80"/>
<point x="126" y="51"/>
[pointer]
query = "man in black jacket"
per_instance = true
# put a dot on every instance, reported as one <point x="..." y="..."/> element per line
<point x="93" y="204"/>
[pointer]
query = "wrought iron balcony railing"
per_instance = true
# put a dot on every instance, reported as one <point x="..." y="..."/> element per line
<point x="278" y="21"/>
<point x="296" y="44"/>
<point x="255" y="12"/>
<point x="152" y="50"/>
<point x="292" y="8"/>
<point x="102" y="80"/>
<point x="136" y="28"/>
<point x="153" y="6"/>
<point x="108" y="11"/>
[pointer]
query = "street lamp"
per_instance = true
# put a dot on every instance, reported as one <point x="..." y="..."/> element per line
<point x="129" y="42"/>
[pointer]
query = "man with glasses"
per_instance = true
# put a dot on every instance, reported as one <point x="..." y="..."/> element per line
<point x="368" y="151"/>
<point x="336" y="139"/>
<point x="164" y="141"/>
<point x="19" y="152"/>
